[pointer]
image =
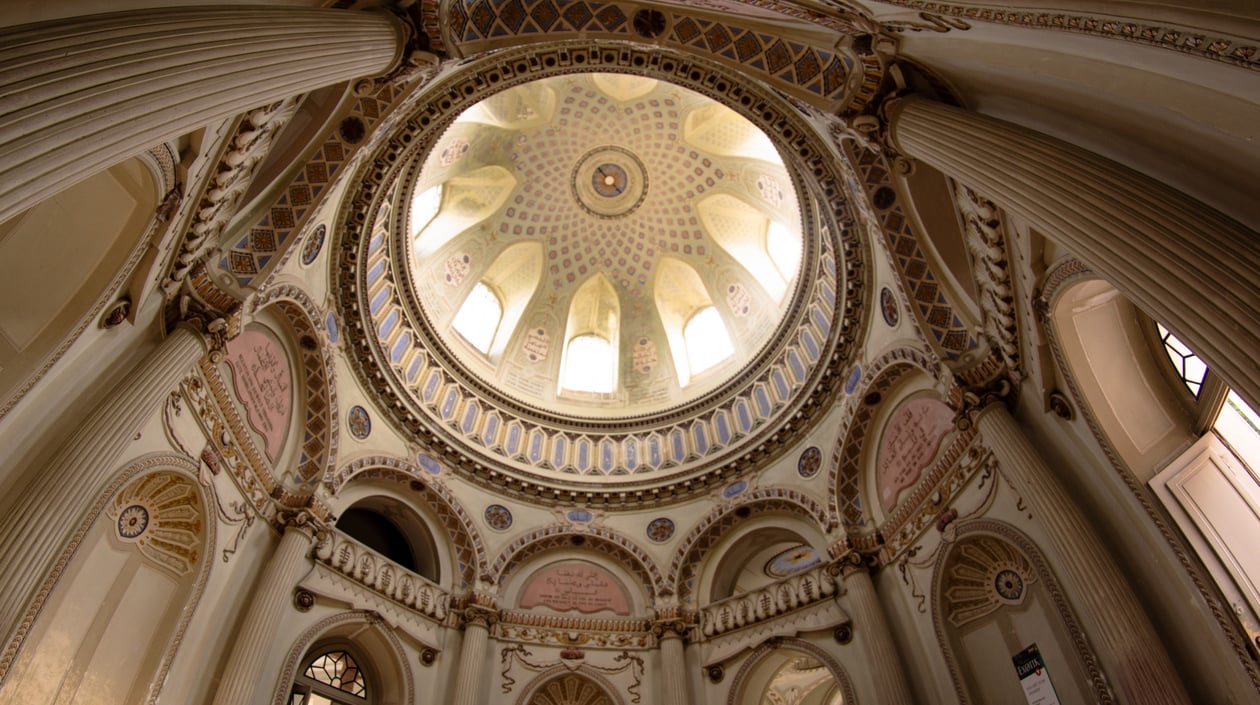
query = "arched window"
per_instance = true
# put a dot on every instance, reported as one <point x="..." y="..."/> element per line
<point x="424" y="206"/>
<point x="707" y="341"/>
<point x="478" y="319"/>
<point x="590" y="365"/>
<point x="333" y="677"/>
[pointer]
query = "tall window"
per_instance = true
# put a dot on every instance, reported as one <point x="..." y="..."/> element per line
<point x="590" y="365"/>
<point x="424" y="206"/>
<point x="707" y="340"/>
<point x="331" y="678"/>
<point x="478" y="318"/>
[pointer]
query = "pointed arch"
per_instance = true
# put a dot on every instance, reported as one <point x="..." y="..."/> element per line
<point x="594" y="323"/>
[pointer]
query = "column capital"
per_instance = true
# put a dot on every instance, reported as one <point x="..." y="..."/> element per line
<point x="999" y="390"/>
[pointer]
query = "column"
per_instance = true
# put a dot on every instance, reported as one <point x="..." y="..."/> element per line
<point x="470" y="673"/>
<point x="37" y="520"/>
<point x="1182" y="262"/>
<point x="674" y="690"/>
<point x="79" y="95"/>
<point x="273" y="594"/>
<point x="871" y="629"/>
<point x="1124" y="639"/>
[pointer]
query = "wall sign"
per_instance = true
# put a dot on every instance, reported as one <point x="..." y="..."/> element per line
<point x="1034" y="678"/>
<point x="575" y="585"/>
<point x="260" y="376"/>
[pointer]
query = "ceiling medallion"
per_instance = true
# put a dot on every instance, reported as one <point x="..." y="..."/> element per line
<point x="609" y="182"/>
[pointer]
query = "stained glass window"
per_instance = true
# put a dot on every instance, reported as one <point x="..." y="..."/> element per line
<point x="328" y="679"/>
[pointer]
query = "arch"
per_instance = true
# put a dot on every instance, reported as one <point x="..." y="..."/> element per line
<point x="594" y="321"/>
<point x="1121" y="373"/>
<point x="846" y="471"/>
<point x="363" y="629"/>
<point x="762" y="245"/>
<point x="466" y="541"/>
<point x="680" y="294"/>
<point x="395" y="530"/>
<point x="595" y="538"/>
<point x="92" y="235"/>
<point x="156" y="509"/>
<point x="1028" y="555"/>
<point x="741" y="562"/>
<point x="708" y="533"/>
<point x="569" y="691"/>
<point x="319" y="443"/>
<point x="514" y="275"/>
<point x="768" y="648"/>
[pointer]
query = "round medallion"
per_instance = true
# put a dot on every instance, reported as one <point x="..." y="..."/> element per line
<point x="133" y="521"/>
<point x="609" y="182"/>
<point x="313" y="244"/>
<point x="809" y="463"/>
<point x="660" y="529"/>
<point x="1009" y="585"/>
<point x="352" y="130"/>
<point x="498" y="517"/>
<point x="888" y="307"/>
<point x="359" y="422"/>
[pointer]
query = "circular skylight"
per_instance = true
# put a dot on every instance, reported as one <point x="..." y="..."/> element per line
<point x="603" y="245"/>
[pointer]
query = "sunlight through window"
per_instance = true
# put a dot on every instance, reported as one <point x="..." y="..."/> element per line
<point x="478" y="319"/>
<point x="424" y="207"/>
<point x="707" y="340"/>
<point x="590" y="365"/>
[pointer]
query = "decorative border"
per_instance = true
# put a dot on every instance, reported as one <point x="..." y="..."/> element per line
<point x="839" y="325"/>
<point x="1163" y="36"/>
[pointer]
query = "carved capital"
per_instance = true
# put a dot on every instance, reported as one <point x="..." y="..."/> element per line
<point x="304" y="520"/>
<point x="999" y="389"/>
<point x="479" y="615"/>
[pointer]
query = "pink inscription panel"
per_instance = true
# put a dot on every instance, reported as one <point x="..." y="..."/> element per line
<point x="910" y="442"/>
<point x="574" y="585"/>
<point x="260" y="376"/>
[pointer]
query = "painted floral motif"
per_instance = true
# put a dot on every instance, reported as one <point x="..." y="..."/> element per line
<point x="770" y="189"/>
<point x="537" y="344"/>
<point x="660" y="529"/>
<point x="457" y="267"/>
<point x="133" y="521"/>
<point x="738" y="298"/>
<point x="359" y="422"/>
<point x="888" y="307"/>
<point x="809" y="463"/>
<point x="644" y="356"/>
<point x="454" y="151"/>
<point x="498" y="517"/>
<point x="313" y="245"/>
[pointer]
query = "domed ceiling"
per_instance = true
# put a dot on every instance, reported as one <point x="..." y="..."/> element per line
<point x="599" y="280"/>
<point x="603" y="245"/>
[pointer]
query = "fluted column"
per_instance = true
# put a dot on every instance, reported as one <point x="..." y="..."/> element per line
<point x="79" y="95"/>
<point x="1124" y="639"/>
<point x="37" y="520"/>
<point x="470" y="673"/>
<point x="1185" y="264"/>
<point x="674" y="690"/>
<point x="273" y="595"/>
<point x="871" y="628"/>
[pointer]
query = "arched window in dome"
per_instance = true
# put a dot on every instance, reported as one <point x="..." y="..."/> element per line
<point x="424" y="207"/>
<point x="478" y="318"/>
<point x="768" y="249"/>
<point x="707" y="341"/>
<point x="464" y="201"/>
<point x="694" y="328"/>
<point x="590" y="355"/>
<point x="332" y="677"/>
<point x="514" y="276"/>
<point x="718" y="129"/>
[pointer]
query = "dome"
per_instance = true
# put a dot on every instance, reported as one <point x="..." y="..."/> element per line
<point x="633" y="240"/>
<point x="600" y="278"/>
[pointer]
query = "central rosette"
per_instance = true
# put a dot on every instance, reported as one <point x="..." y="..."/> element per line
<point x="609" y="182"/>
